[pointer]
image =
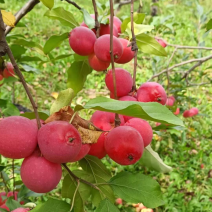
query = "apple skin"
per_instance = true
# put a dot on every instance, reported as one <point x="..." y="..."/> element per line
<point x="96" y="64"/>
<point x="5" y="207"/>
<point x="194" y="111"/>
<point x="190" y="113"/>
<point x="105" y="30"/>
<point x="39" y="174"/>
<point x="161" y="42"/>
<point x="119" y="201"/>
<point x="117" y="22"/>
<point x="170" y="101"/>
<point x="177" y="111"/>
<point x="21" y="210"/>
<point x="105" y="120"/>
<point x="16" y="143"/>
<point x="83" y="152"/>
<point x="1" y="200"/>
<point x="8" y="71"/>
<point x="82" y="41"/>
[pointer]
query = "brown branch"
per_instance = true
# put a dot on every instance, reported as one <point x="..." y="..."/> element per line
<point x="202" y="59"/>
<point x="5" y="49"/>
<point x="189" y="47"/>
<point x="73" y="3"/>
<point x="22" y="12"/>
<point x="117" y="119"/>
<point x="191" y="69"/>
<point x="77" y="178"/>
<point x="97" y="25"/>
<point x="134" y="46"/>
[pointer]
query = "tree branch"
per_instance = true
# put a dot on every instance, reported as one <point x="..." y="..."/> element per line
<point x="97" y="25"/>
<point x="202" y="60"/>
<point x="22" y="12"/>
<point x="189" y="47"/>
<point x="73" y="3"/>
<point x="5" y="49"/>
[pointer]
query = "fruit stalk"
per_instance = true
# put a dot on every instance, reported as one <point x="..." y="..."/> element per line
<point x="5" y="49"/>
<point x="97" y="25"/>
<point x="134" y="47"/>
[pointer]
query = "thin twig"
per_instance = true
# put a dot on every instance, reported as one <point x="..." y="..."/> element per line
<point x="22" y="12"/>
<point x="77" y="178"/>
<point x="5" y="49"/>
<point x="134" y="46"/>
<point x="202" y="59"/>
<point x="73" y="3"/>
<point x="72" y="204"/>
<point x="189" y="47"/>
<point x="117" y="119"/>
<point x="191" y="69"/>
<point x="97" y="25"/>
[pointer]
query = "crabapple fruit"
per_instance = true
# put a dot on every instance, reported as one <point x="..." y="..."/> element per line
<point x="128" y="54"/>
<point x="18" y="137"/>
<point x="124" y="81"/>
<point x="1" y="200"/>
<point x="98" y="149"/>
<point x="124" y="145"/>
<point x="97" y="64"/>
<point x="170" y="101"/>
<point x="21" y="210"/>
<point x="102" y="48"/>
<point x="177" y="111"/>
<point x="151" y="92"/>
<point x="39" y="174"/>
<point x="143" y="128"/>
<point x="119" y="201"/>
<point x="59" y="141"/>
<point x="82" y="40"/>
<point x="161" y="42"/>
<point x="127" y="98"/>
<point x="5" y="207"/>
<point x="105" y="120"/>
<point x="186" y="114"/>
<point x="8" y="71"/>
<point x="105" y="29"/>
<point x="82" y="153"/>
<point x="117" y="22"/>
<point x="194" y="111"/>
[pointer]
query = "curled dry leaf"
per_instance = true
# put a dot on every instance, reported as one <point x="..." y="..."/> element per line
<point x="8" y="18"/>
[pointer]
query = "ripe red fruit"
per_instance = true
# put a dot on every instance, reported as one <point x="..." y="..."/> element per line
<point x="161" y="42"/>
<point x="194" y="111"/>
<point x="83" y="152"/>
<point x="1" y="200"/>
<point x="143" y="128"/>
<point x="5" y="207"/>
<point x="117" y="22"/>
<point x="59" y="141"/>
<point x="124" y="145"/>
<point x="124" y="81"/>
<point x="170" y="101"/>
<point x="151" y="92"/>
<point x="127" y="98"/>
<point x="128" y="54"/>
<point x="105" y="120"/>
<point x="98" y="149"/>
<point x="21" y="210"/>
<point x="97" y="64"/>
<point x="177" y="111"/>
<point x="10" y="194"/>
<point x="82" y="40"/>
<point x="84" y="25"/>
<point x="105" y="29"/>
<point x="39" y="174"/>
<point x="102" y="48"/>
<point x="119" y="201"/>
<point x="18" y="137"/>
<point x="8" y="71"/>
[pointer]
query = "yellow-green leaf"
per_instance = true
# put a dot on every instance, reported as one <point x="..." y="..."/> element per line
<point x="8" y="18"/>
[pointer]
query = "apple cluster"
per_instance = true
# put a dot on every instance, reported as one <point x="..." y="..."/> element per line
<point x="84" y="42"/>
<point x="8" y="71"/>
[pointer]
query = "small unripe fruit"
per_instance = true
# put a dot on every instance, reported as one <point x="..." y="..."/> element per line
<point x="151" y="92"/>
<point x="124" y="81"/>
<point x="18" y="137"/>
<point x="82" y="40"/>
<point x="124" y="145"/>
<point x="59" y="141"/>
<point x="39" y="174"/>
<point x="8" y="71"/>
<point x="98" y="149"/>
<point x="128" y="54"/>
<point x="105" y="120"/>
<point x="102" y="48"/>
<point x="143" y="128"/>
<point x="96" y="64"/>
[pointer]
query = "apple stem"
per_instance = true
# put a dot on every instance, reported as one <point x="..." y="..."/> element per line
<point x="134" y="46"/>
<point x="97" y="25"/>
<point x="5" y="49"/>
<point x="74" y="4"/>
<point x="77" y="178"/>
<point x="117" y="119"/>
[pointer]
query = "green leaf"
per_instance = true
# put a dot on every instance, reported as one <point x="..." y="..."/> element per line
<point x="106" y="206"/>
<point x="80" y="58"/>
<point x="48" y="3"/>
<point x="17" y="50"/>
<point x="64" y="16"/>
<point x="89" y="21"/>
<point x="54" y="41"/>
<point x="209" y="25"/>
<point x="152" y="160"/>
<point x="12" y="204"/>
<point x="2" y="168"/>
<point x="30" y="59"/>
<point x="83" y="192"/>
<point x="138" y="18"/>
<point x="137" y="188"/>
<point x="149" y="45"/>
<point x="62" y="57"/>
<point x="138" y="29"/>
<point x="100" y="174"/>
<point x="152" y="111"/>
<point x="10" y="109"/>
<point x="27" y="43"/>
<point x="77" y="75"/>
<point x="64" y="99"/>
<point x="31" y="115"/>
<point x="28" y="68"/>
<point x="52" y="205"/>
